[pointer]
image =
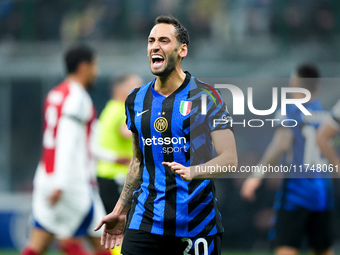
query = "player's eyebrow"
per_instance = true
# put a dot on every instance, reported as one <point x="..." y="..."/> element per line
<point x="159" y="38"/>
<point x="164" y="37"/>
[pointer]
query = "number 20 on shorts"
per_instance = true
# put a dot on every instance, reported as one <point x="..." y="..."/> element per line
<point x="196" y="244"/>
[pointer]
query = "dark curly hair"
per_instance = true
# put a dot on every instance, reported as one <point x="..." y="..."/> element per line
<point x="309" y="76"/>
<point x="182" y="33"/>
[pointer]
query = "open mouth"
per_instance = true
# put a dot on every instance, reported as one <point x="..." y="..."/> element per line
<point x="157" y="60"/>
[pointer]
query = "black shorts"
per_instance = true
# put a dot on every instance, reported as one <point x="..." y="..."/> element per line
<point x="137" y="242"/>
<point x="109" y="193"/>
<point x="293" y="226"/>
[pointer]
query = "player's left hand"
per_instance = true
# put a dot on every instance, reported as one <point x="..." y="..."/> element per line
<point x="179" y="169"/>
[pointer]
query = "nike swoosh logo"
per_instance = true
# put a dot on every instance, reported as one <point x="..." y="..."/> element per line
<point x="140" y="113"/>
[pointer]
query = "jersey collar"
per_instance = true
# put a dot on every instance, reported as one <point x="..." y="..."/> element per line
<point x="179" y="89"/>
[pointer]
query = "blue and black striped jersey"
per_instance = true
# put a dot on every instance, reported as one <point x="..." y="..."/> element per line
<point x="306" y="187"/>
<point x="171" y="129"/>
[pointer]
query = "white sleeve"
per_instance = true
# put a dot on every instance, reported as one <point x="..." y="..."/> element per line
<point x="77" y="105"/>
<point x="68" y="135"/>
<point x="70" y="139"/>
<point x="97" y="150"/>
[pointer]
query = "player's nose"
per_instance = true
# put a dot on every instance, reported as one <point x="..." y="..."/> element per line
<point x="154" y="47"/>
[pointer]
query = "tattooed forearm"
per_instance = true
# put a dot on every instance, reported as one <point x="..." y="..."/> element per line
<point x="133" y="176"/>
<point x="131" y="183"/>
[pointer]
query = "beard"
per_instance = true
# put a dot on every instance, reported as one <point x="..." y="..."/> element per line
<point x="90" y="85"/>
<point x="169" y="67"/>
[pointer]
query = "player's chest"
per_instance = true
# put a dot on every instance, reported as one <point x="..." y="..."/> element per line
<point x="165" y="116"/>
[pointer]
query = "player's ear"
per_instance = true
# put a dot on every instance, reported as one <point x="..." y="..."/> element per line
<point x="183" y="50"/>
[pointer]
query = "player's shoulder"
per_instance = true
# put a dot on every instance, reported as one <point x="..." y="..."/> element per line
<point x="316" y="115"/>
<point x="199" y="84"/>
<point x="199" y="88"/>
<point x="57" y="94"/>
<point x="77" y="94"/>
<point x="312" y="106"/>
<point x="78" y="102"/>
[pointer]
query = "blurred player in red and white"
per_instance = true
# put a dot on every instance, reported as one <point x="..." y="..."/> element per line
<point x="65" y="203"/>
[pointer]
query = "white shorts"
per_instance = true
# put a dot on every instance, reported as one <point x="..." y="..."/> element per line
<point x="75" y="214"/>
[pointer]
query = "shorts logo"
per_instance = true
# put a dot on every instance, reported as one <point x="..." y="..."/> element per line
<point x="185" y="108"/>
<point x="161" y="124"/>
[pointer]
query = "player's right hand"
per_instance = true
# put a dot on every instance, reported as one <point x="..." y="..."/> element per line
<point x="249" y="188"/>
<point x="55" y="196"/>
<point x="114" y="225"/>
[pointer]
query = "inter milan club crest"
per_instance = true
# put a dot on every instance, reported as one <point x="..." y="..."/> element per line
<point x="161" y="124"/>
<point x="185" y="108"/>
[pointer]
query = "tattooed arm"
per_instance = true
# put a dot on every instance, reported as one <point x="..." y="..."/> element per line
<point x="132" y="179"/>
<point x="114" y="222"/>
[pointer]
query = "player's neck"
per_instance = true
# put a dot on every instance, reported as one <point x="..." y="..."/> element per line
<point x="77" y="79"/>
<point x="169" y="84"/>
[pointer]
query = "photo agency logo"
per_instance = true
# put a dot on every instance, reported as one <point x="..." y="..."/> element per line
<point x="240" y="100"/>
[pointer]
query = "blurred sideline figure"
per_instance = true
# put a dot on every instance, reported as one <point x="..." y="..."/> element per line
<point x="327" y="132"/>
<point x="65" y="202"/>
<point x="304" y="205"/>
<point x="114" y="141"/>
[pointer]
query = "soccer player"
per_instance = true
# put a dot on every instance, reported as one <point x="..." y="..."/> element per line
<point x="327" y="132"/>
<point x="115" y="142"/>
<point x="173" y="208"/>
<point x="304" y="205"/>
<point x="65" y="204"/>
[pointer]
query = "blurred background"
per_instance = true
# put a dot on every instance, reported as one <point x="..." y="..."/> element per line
<point x="247" y="40"/>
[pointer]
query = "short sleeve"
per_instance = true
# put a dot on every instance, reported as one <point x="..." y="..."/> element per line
<point x="129" y="111"/>
<point x="77" y="106"/>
